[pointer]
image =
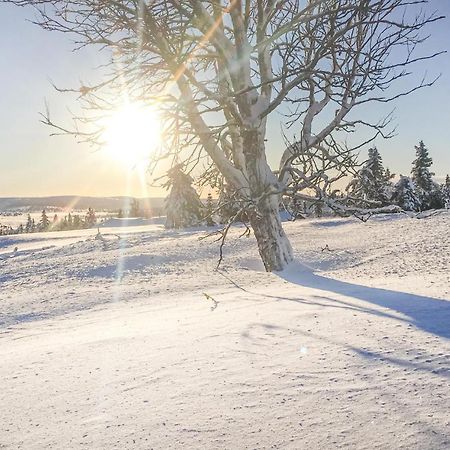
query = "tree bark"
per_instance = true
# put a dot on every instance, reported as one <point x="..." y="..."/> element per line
<point x="273" y="244"/>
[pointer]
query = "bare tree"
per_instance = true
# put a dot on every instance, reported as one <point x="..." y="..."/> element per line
<point x="218" y="69"/>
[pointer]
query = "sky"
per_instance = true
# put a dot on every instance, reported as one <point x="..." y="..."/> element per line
<point x="32" y="163"/>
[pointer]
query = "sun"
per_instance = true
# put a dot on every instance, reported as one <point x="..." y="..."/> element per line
<point x="132" y="133"/>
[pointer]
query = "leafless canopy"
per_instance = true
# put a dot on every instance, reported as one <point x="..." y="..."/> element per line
<point x="218" y="69"/>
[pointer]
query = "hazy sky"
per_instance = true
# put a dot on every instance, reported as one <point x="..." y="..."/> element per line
<point x="34" y="164"/>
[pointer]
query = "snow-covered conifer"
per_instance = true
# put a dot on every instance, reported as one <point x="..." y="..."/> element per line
<point x="422" y="177"/>
<point x="63" y="225"/>
<point x="404" y="194"/>
<point x="373" y="180"/>
<point x="77" y="222"/>
<point x="44" y="223"/>
<point x="446" y="192"/>
<point x="29" y="225"/>
<point x="209" y="211"/>
<point x="183" y="205"/>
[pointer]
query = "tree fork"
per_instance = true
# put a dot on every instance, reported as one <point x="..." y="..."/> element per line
<point x="273" y="244"/>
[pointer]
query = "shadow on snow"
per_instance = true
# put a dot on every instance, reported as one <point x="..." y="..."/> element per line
<point x="426" y="313"/>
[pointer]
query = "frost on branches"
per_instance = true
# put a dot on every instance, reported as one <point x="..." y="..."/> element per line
<point x="183" y="205"/>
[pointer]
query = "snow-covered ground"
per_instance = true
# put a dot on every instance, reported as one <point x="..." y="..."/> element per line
<point x="135" y="341"/>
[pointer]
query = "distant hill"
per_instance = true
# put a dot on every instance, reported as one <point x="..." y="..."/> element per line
<point x="72" y="202"/>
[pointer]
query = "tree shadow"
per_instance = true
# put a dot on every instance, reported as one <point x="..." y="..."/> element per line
<point x="426" y="313"/>
<point x="432" y="367"/>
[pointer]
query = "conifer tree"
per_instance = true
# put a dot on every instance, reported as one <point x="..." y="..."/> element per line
<point x="389" y="186"/>
<point x="404" y="194"/>
<point x="446" y="192"/>
<point x="435" y="197"/>
<point x="28" y="225"/>
<point x="183" y="205"/>
<point x="77" y="222"/>
<point x="209" y="211"/>
<point x="64" y="224"/>
<point x="44" y="223"/>
<point x="373" y="180"/>
<point x="422" y="177"/>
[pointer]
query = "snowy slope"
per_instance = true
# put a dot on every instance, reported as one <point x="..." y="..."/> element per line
<point x="112" y="343"/>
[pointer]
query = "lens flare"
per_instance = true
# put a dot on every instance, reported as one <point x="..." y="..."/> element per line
<point x="132" y="133"/>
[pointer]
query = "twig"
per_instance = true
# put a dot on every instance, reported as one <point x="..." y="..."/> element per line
<point x="215" y="302"/>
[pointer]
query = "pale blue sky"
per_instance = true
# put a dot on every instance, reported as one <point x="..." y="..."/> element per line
<point x="34" y="164"/>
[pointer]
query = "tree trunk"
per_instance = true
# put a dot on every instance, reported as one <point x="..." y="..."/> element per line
<point x="273" y="244"/>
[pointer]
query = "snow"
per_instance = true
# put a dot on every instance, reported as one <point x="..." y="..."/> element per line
<point x="114" y="222"/>
<point x="110" y="341"/>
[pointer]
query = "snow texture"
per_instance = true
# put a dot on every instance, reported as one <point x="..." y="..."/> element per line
<point x="129" y="339"/>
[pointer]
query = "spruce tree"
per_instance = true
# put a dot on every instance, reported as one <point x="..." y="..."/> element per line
<point x="209" y="211"/>
<point x="373" y="181"/>
<point x="77" y="222"/>
<point x="183" y="205"/>
<point x="29" y="225"/>
<point x="64" y="225"/>
<point x="44" y="223"/>
<point x="422" y="177"/>
<point x="404" y="194"/>
<point x="446" y="192"/>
